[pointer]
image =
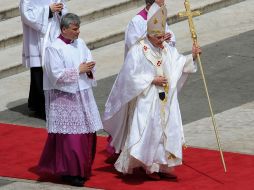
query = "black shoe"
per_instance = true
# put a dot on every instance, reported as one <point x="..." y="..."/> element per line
<point x="77" y="181"/>
<point x="168" y="176"/>
<point x="112" y="159"/>
<point x="40" y="115"/>
<point x="154" y="176"/>
<point x="66" y="178"/>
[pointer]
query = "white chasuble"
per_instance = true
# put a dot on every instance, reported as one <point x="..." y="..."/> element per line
<point x="133" y="112"/>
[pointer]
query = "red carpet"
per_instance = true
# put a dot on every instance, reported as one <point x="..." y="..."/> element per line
<point x="20" y="149"/>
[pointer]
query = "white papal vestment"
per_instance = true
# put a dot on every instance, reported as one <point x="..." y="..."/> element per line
<point x="133" y="111"/>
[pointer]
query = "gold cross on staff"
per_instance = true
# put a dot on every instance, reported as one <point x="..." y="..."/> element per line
<point x="190" y="15"/>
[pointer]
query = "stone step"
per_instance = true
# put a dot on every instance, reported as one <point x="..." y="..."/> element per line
<point x="9" y="9"/>
<point x="89" y="11"/>
<point x="100" y="33"/>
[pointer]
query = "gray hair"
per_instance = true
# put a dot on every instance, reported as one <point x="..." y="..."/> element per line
<point x="150" y="2"/>
<point x="68" y="19"/>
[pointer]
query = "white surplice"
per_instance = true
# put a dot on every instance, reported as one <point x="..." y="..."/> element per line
<point x="133" y="111"/>
<point x="70" y="104"/>
<point x="36" y="22"/>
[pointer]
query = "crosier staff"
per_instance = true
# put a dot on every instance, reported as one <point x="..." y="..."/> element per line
<point x="190" y="15"/>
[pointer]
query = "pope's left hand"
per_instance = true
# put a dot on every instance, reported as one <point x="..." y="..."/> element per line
<point x="195" y="51"/>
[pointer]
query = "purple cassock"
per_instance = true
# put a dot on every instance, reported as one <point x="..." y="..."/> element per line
<point x="67" y="154"/>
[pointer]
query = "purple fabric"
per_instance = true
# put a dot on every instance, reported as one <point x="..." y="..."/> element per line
<point x="67" y="41"/>
<point x="68" y="154"/>
<point x="143" y="13"/>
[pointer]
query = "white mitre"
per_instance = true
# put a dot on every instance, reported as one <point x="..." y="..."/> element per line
<point x="157" y="17"/>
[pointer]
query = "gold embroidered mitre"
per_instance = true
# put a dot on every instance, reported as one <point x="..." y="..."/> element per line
<point x="156" y="25"/>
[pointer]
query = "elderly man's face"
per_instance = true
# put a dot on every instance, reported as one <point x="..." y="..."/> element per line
<point x="72" y="32"/>
<point x="156" y="40"/>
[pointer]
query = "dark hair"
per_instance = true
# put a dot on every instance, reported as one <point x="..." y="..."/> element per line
<point x="68" y="19"/>
<point x="149" y="1"/>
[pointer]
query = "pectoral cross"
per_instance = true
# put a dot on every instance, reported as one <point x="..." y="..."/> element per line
<point x="190" y="15"/>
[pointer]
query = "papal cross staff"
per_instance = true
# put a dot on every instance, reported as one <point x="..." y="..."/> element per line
<point x="190" y="15"/>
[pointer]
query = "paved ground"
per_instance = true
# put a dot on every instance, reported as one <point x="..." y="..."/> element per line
<point x="227" y="43"/>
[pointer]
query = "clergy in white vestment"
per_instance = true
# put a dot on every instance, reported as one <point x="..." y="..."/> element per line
<point x="142" y="114"/>
<point x="137" y="27"/>
<point x="40" y="21"/>
<point x="72" y="116"/>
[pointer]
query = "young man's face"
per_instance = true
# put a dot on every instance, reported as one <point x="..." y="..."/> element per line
<point x="72" y="32"/>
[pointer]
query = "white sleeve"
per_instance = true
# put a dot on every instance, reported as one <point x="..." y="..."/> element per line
<point x="173" y="37"/>
<point x="190" y="66"/>
<point x="87" y="55"/>
<point x="34" y="16"/>
<point x="133" y="33"/>
<point x="65" y="79"/>
<point x="182" y="63"/>
<point x="65" y="10"/>
<point x="183" y="66"/>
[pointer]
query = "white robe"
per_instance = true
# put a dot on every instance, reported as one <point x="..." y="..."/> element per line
<point x="136" y="30"/>
<point x="36" y="22"/>
<point x="70" y="104"/>
<point x="133" y="112"/>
